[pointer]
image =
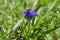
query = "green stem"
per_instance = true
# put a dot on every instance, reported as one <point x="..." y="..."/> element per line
<point x="28" y="26"/>
<point x="28" y="31"/>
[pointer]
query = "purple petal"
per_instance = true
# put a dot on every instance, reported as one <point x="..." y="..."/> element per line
<point x="29" y="11"/>
<point x="24" y="13"/>
<point x="34" y="13"/>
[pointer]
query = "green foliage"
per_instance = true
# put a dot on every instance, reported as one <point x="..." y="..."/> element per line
<point x="44" y="26"/>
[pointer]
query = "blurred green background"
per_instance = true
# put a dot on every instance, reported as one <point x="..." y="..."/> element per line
<point x="11" y="11"/>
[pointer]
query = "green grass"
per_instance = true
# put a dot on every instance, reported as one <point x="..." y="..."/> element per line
<point x="44" y="26"/>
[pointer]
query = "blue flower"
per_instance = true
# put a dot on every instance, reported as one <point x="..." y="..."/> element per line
<point x="29" y="13"/>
